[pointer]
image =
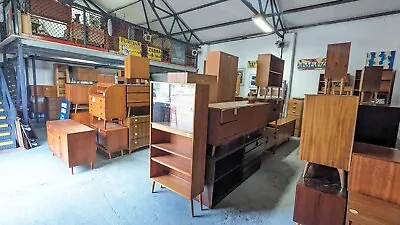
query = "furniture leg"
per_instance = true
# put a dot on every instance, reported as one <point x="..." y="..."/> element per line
<point x="53" y="153"/>
<point x="129" y="111"/>
<point x="326" y="86"/>
<point x="122" y="152"/>
<point x="162" y="186"/>
<point x="91" y="165"/>
<point x="201" y="201"/>
<point x="362" y="98"/>
<point x="341" y="86"/>
<point x="76" y="108"/>
<point x="105" y="124"/>
<point x="306" y="168"/>
<point x="342" y="178"/>
<point x="213" y="150"/>
<point x="72" y="170"/>
<point x="109" y="155"/>
<point x="191" y="208"/>
<point x="152" y="186"/>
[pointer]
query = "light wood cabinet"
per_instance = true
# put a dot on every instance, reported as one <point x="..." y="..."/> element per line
<point x="197" y="79"/>
<point x="77" y="93"/>
<point x="72" y="142"/>
<point x="107" y="101"/>
<point x="136" y="67"/>
<point x="178" y="138"/>
<point x="285" y="129"/>
<point x="113" y="138"/>
<point x="224" y="66"/>
<point x="328" y="129"/>
<point x="295" y="111"/>
<point x="137" y="95"/>
<point x="139" y="130"/>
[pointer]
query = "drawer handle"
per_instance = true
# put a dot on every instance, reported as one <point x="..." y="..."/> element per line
<point x="353" y="211"/>
<point x="294" y="107"/>
<point x="294" y="111"/>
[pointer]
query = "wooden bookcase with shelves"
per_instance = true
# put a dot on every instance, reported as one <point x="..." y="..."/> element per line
<point x="269" y="71"/>
<point x="178" y="137"/>
<point x="386" y="88"/>
<point x="61" y="77"/>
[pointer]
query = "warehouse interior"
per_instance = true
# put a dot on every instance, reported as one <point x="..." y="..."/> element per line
<point x="199" y="112"/>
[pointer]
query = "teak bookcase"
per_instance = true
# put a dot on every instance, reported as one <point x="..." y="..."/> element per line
<point x="178" y="137"/>
<point x="269" y="71"/>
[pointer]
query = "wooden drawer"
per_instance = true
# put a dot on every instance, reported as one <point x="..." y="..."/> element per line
<point x="295" y="108"/>
<point x="138" y="142"/>
<point x="45" y="91"/>
<point x="228" y="115"/>
<point x="137" y="89"/>
<point x="139" y="130"/>
<point x="365" y="210"/>
<point x="138" y="97"/>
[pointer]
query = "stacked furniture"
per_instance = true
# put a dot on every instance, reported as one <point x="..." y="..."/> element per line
<point x="234" y="146"/>
<point x="107" y="104"/>
<point x="61" y="77"/>
<point x="53" y="107"/>
<point x="197" y="79"/>
<point x="85" y="74"/>
<point x="178" y="138"/>
<point x="72" y="142"/>
<point x="43" y="93"/>
<point x="373" y="185"/>
<point x="328" y="129"/>
<point x="224" y="66"/>
<point x="103" y="78"/>
<point x="386" y="88"/>
<point x="269" y="71"/>
<point x="295" y="111"/>
<point x="137" y="100"/>
<point x="370" y="82"/>
<point x="78" y="96"/>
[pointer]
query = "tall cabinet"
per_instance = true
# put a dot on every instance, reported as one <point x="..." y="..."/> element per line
<point x="178" y="137"/>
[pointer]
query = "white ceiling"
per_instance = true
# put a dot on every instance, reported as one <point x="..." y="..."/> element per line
<point x="232" y="10"/>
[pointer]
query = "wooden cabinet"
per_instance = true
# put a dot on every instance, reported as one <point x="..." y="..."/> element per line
<point x="228" y="119"/>
<point x="81" y="117"/>
<point x="285" y="129"/>
<point x="113" y="138"/>
<point x="328" y="128"/>
<point x="365" y="210"/>
<point x="44" y="90"/>
<point x="386" y="87"/>
<point x="274" y="107"/>
<point x="178" y="137"/>
<point x="197" y="79"/>
<point x="102" y="78"/>
<point x="85" y="74"/>
<point x="139" y="129"/>
<point x="269" y="71"/>
<point x="375" y="172"/>
<point x="315" y="204"/>
<point x="107" y="101"/>
<point x="72" y="142"/>
<point x="136" y="67"/>
<point x="137" y="95"/>
<point x="270" y="135"/>
<point x="337" y="61"/>
<point x="231" y="164"/>
<point x="371" y="78"/>
<point x="377" y="125"/>
<point x="77" y="93"/>
<point x="224" y="66"/>
<point x="295" y="111"/>
<point x="53" y="107"/>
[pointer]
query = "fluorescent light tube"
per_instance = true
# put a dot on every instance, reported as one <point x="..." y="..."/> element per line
<point x="262" y="23"/>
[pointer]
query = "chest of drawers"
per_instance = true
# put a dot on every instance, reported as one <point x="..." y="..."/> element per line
<point x="107" y="101"/>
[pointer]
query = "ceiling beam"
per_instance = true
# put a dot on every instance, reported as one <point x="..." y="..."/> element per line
<point x="189" y="10"/>
<point x="256" y="35"/>
<point x="296" y="10"/>
<point x="124" y="6"/>
<point x="250" y="6"/>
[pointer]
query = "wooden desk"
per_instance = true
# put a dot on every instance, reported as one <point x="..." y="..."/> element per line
<point x="285" y="129"/>
<point x="72" y="142"/>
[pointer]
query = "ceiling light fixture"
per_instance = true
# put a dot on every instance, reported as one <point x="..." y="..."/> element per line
<point x="262" y="23"/>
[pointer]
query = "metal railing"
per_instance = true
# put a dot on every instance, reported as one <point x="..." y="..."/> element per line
<point x="8" y="105"/>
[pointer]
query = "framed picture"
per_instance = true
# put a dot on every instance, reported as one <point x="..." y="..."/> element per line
<point x="252" y="81"/>
<point x="240" y="74"/>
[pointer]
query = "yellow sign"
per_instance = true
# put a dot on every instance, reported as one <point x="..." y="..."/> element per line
<point x="154" y="53"/>
<point x="252" y="64"/>
<point x="130" y="47"/>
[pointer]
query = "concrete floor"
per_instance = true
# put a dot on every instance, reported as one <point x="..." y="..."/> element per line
<point x="37" y="188"/>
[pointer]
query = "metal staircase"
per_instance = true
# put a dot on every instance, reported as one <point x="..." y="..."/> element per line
<point x="7" y="116"/>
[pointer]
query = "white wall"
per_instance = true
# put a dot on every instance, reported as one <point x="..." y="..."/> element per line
<point x="248" y="50"/>
<point x="376" y="34"/>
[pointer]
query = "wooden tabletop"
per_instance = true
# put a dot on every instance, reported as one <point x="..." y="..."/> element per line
<point x="236" y="104"/>
<point x="377" y="152"/>
<point x="282" y="121"/>
<point x="68" y="126"/>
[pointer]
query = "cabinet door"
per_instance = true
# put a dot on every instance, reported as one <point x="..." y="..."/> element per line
<point x="53" y="140"/>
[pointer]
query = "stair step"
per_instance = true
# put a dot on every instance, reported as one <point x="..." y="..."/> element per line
<point x="3" y="125"/>
<point x="4" y="143"/>
<point x="1" y="110"/>
<point x="3" y="117"/>
<point x="2" y="134"/>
